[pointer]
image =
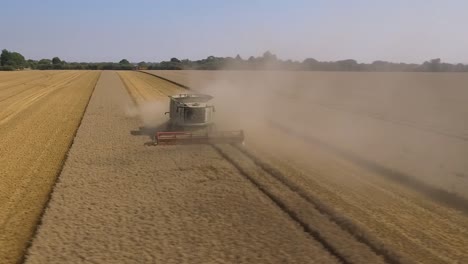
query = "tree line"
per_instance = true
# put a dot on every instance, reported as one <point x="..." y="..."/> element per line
<point x="10" y="61"/>
<point x="268" y="61"/>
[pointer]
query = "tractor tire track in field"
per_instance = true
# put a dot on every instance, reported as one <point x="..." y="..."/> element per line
<point x="310" y="215"/>
<point x="166" y="79"/>
<point x="436" y="194"/>
<point x="346" y="224"/>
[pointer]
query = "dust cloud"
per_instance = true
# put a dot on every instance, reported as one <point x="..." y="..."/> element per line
<point x="409" y="124"/>
<point x="150" y="113"/>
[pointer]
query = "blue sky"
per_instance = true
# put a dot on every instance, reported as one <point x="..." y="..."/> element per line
<point x="365" y="30"/>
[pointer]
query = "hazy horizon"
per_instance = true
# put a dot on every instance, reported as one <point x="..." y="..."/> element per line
<point x="364" y="30"/>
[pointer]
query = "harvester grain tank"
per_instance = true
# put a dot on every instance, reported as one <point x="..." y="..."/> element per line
<point x="191" y="122"/>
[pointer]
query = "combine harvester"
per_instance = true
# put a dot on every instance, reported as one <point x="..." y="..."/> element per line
<point x="191" y="122"/>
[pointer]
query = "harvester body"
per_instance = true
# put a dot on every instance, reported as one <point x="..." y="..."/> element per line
<point x="190" y="110"/>
<point x="191" y="122"/>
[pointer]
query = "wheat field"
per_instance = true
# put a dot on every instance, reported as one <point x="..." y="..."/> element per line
<point x="330" y="171"/>
<point x="39" y="114"/>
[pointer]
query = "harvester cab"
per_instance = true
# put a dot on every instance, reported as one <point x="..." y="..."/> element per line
<point x="188" y="111"/>
<point x="191" y="122"/>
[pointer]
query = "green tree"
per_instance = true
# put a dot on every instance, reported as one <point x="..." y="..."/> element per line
<point x="56" y="61"/>
<point x="13" y="59"/>
<point x="309" y="63"/>
<point x="17" y="60"/>
<point x="434" y="65"/>
<point x="268" y="56"/>
<point x="32" y="64"/>
<point x="124" y="61"/>
<point x="347" y="65"/>
<point x="4" y="57"/>
<point x="45" y="61"/>
<point x="142" y="65"/>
